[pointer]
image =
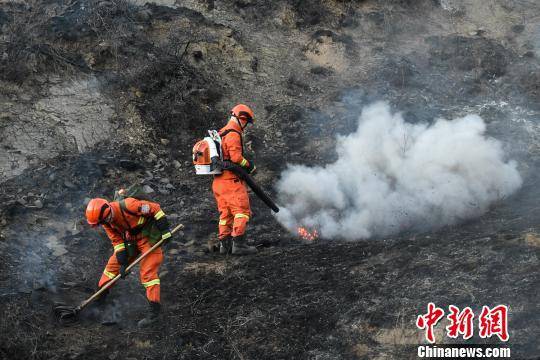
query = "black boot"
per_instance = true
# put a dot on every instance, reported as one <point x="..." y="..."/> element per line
<point x="225" y="245"/>
<point x="153" y="315"/>
<point x="213" y="245"/>
<point x="240" y="246"/>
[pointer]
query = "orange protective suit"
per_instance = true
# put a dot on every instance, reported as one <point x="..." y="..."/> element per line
<point x="229" y="190"/>
<point x="125" y="223"/>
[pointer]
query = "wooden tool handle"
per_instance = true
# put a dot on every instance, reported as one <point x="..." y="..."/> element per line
<point x="117" y="277"/>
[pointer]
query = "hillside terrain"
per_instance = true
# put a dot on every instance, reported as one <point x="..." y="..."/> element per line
<point x="98" y="95"/>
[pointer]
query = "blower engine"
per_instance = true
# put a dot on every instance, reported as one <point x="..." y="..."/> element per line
<point x="207" y="154"/>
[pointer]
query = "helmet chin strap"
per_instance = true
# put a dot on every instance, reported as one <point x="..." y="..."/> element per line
<point x="239" y="122"/>
<point x="107" y="218"/>
<point x="111" y="212"/>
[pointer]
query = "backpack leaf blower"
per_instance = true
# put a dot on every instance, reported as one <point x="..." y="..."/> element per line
<point x="207" y="158"/>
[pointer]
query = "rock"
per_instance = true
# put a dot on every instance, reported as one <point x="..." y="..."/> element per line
<point x="86" y="201"/>
<point x="69" y="184"/>
<point x="532" y="239"/>
<point x="38" y="204"/>
<point x="129" y="165"/>
<point x="105" y="4"/>
<point x="22" y="201"/>
<point x="59" y="251"/>
<point x="144" y="15"/>
<point x="151" y="157"/>
<point x="165" y="141"/>
<point x="173" y="252"/>
<point x="518" y="29"/>
<point x="163" y="191"/>
<point x="176" y="164"/>
<point x="170" y="186"/>
<point x="147" y="189"/>
<point x="165" y="180"/>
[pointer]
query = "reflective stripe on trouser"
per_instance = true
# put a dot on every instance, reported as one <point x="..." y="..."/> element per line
<point x="149" y="268"/>
<point x="225" y="225"/>
<point x="233" y="204"/>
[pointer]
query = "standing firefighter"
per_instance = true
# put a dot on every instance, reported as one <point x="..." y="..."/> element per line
<point x="133" y="226"/>
<point x="229" y="190"/>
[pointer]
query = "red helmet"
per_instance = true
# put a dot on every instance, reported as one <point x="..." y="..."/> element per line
<point x="97" y="210"/>
<point x="242" y="111"/>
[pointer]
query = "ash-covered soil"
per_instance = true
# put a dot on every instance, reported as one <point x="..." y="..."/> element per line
<point x="95" y="95"/>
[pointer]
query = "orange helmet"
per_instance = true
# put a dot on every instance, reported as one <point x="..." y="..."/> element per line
<point x="97" y="211"/>
<point x="242" y="111"/>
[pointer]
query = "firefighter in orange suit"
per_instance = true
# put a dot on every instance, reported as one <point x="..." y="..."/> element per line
<point x="131" y="225"/>
<point x="229" y="190"/>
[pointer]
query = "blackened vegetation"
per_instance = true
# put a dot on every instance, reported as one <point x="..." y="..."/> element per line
<point x="175" y="97"/>
<point x="321" y="299"/>
<point x="466" y="54"/>
<point x="180" y="70"/>
<point x="108" y="39"/>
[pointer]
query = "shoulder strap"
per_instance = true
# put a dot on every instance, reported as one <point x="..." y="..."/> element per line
<point x="123" y="210"/>
<point x="230" y="130"/>
<point x="235" y="131"/>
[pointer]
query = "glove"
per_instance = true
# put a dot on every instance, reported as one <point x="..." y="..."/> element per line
<point x="123" y="273"/>
<point x="122" y="258"/>
<point x="251" y="167"/>
<point x="163" y="225"/>
<point x="166" y="237"/>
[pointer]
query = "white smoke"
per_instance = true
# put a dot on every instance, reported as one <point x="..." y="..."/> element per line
<point x="393" y="176"/>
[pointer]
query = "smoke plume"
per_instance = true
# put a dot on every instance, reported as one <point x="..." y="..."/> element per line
<point x="392" y="176"/>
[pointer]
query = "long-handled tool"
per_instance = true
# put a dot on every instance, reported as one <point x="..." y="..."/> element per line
<point x="66" y="314"/>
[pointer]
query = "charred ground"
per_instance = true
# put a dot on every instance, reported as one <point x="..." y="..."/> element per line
<point x="96" y="95"/>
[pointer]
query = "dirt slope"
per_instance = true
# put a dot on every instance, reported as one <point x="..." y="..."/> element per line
<point x="95" y="95"/>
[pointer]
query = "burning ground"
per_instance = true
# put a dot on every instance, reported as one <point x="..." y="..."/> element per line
<point x="96" y="95"/>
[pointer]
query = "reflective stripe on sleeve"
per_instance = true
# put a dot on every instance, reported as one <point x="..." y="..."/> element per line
<point x="159" y="215"/>
<point x="151" y="283"/>
<point x="141" y="221"/>
<point x="108" y="274"/>
<point x="119" y="247"/>
<point x="243" y="163"/>
<point x="237" y="216"/>
<point x="223" y="222"/>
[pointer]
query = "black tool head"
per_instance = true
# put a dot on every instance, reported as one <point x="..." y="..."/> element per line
<point x="65" y="314"/>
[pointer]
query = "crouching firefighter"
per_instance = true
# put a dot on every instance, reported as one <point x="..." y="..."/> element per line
<point x="230" y="191"/>
<point x="133" y="226"/>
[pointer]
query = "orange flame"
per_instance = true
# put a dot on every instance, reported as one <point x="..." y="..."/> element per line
<point x="307" y="235"/>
